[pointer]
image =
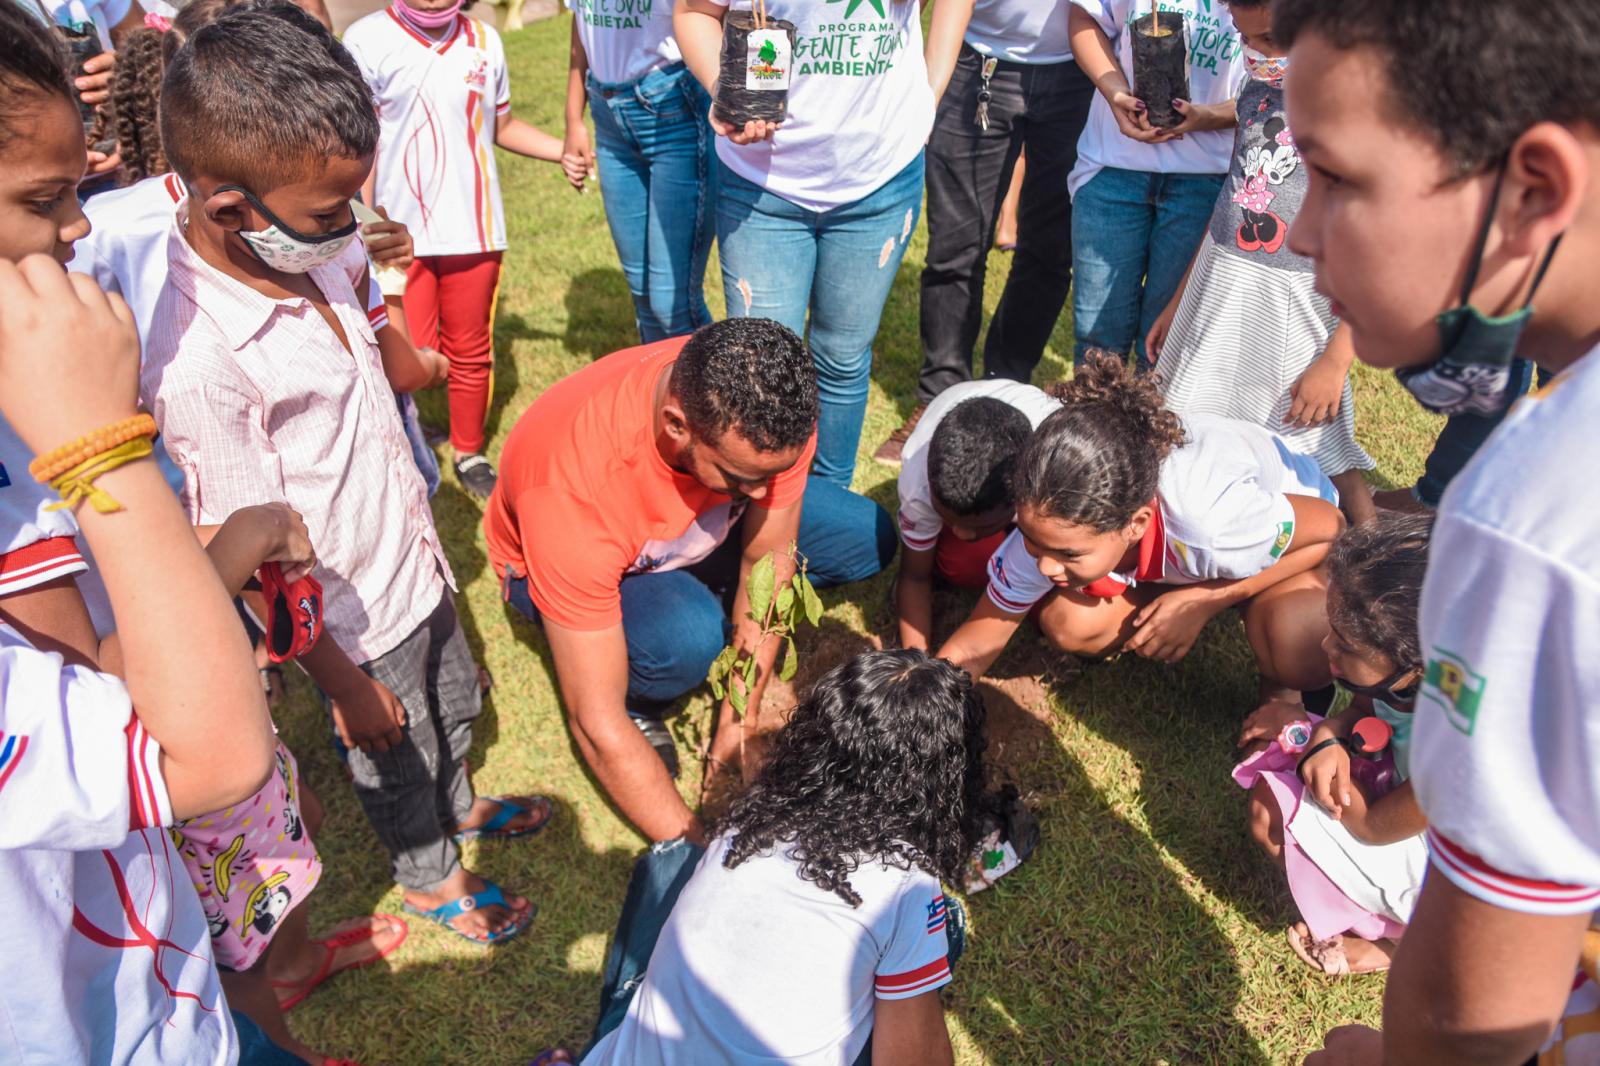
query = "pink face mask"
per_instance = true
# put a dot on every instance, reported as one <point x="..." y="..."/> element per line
<point x="429" y="20"/>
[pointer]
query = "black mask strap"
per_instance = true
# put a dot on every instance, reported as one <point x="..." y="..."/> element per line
<point x="1483" y="242"/>
<point x="307" y="238"/>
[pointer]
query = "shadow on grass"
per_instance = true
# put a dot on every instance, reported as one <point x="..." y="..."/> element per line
<point x="1180" y="724"/>
<point x="600" y="314"/>
<point x="1136" y="970"/>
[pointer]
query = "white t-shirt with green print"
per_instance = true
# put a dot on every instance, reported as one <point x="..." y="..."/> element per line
<point x="1215" y="73"/>
<point x="625" y="39"/>
<point x="860" y="108"/>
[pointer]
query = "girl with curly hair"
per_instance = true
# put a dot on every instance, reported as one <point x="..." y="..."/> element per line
<point x="814" y="928"/>
<point x="1136" y="528"/>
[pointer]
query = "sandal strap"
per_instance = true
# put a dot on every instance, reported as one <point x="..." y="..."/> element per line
<point x="491" y="896"/>
<point x="503" y="817"/>
<point x="351" y="937"/>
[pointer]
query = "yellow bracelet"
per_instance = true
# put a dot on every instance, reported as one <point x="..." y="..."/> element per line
<point x="77" y="484"/>
<point x="51" y="465"/>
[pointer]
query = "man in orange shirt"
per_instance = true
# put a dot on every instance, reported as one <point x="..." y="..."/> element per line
<point x="634" y="497"/>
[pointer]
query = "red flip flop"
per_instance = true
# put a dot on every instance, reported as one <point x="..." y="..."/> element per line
<point x="331" y="946"/>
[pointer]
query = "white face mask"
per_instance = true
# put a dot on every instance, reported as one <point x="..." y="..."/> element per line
<point x="284" y="248"/>
<point x="1263" y="67"/>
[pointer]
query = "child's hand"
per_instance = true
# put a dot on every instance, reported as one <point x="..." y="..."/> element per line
<point x="1266" y="722"/>
<point x="388" y="242"/>
<point x="1156" y="339"/>
<point x="368" y="716"/>
<point x="1327" y="775"/>
<point x="1167" y="627"/>
<point x="1316" y="395"/>
<point x="438" y="365"/>
<point x="285" y="538"/>
<point x="94" y="84"/>
<point x="102" y="163"/>
<point x="69" y="354"/>
<point x="577" y="157"/>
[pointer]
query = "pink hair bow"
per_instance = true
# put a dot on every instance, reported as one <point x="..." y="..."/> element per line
<point x="159" y="23"/>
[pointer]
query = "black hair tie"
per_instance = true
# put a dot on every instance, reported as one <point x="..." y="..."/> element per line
<point x="1299" y="767"/>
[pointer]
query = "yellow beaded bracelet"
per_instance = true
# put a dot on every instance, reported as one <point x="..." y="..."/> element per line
<point x="51" y="465"/>
<point x="77" y="484"/>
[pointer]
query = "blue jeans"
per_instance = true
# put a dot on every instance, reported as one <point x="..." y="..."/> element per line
<point x="652" y="144"/>
<point x="421" y="454"/>
<point x="780" y="260"/>
<point x="256" y="1047"/>
<point x="1133" y="234"/>
<point x="676" y="622"/>
<point x="1461" y="438"/>
<point x="658" y="880"/>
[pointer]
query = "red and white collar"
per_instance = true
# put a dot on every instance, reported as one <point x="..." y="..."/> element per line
<point x="1152" y="564"/>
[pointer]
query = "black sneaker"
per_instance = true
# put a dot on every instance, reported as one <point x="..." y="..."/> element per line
<point x="660" y="738"/>
<point x="475" y="475"/>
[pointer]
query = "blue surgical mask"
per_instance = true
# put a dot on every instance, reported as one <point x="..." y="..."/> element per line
<point x="283" y="248"/>
<point x="1472" y="374"/>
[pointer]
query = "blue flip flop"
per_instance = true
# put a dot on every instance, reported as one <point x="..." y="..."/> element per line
<point x="491" y="896"/>
<point x="495" y="827"/>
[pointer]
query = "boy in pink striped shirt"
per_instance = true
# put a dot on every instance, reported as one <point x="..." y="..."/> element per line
<point x="263" y="372"/>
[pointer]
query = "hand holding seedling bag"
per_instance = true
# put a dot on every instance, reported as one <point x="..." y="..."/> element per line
<point x="756" y="66"/>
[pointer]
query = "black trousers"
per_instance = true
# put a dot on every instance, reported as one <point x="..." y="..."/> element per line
<point x="1040" y="107"/>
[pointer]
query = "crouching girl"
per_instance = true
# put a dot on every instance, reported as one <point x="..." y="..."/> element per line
<point x="1354" y="854"/>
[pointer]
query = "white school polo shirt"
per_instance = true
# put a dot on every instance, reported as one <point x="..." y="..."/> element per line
<point x="438" y="106"/>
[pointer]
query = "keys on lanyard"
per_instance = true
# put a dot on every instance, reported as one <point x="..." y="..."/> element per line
<point x="984" y="96"/>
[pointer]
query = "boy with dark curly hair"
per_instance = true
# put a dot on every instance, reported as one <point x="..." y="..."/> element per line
<point x="634" y="498"/>
<point x="955" y="491"/>
<point x="814" y="928"/>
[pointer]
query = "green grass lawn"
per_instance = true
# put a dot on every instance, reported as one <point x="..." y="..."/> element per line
<point x="1147" y="929"/>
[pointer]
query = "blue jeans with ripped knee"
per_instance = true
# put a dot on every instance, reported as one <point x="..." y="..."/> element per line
<point x="781" y="260"/>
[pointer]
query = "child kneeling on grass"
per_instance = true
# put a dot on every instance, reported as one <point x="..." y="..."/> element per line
<point x="265" y="374"/>
<point x="1354" y="856"/>
<point x="814" y="928"/>
<point x="956" y="503"/>
<point x="1136" y="528"/>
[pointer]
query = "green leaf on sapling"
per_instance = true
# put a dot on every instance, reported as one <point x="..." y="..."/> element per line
<point x="738" y="699"/>
<point x="785" y="603"/>
<point x="759" y="587"/>
<point x="791" y="661"/>
<point x="813" y="602"/>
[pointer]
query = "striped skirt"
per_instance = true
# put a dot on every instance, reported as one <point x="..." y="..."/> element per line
<point x="1242" y="336"/>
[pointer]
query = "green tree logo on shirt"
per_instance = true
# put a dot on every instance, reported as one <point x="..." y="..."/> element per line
<point x="877" y="5"/>
<point x="1455" y="688"/>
